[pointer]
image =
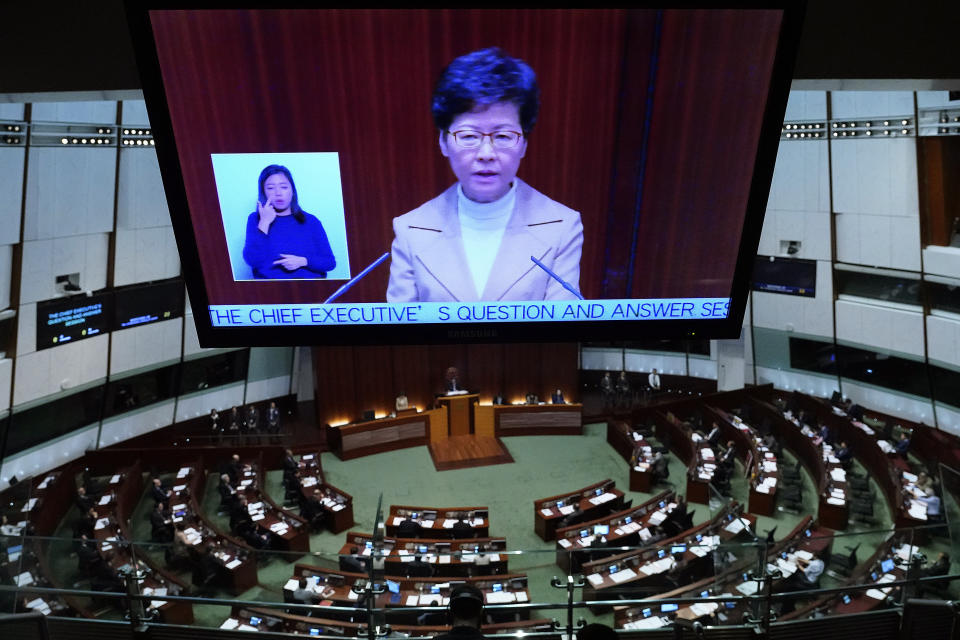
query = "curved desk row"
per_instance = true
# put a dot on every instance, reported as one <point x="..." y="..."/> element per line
<point x="590" y="502"/>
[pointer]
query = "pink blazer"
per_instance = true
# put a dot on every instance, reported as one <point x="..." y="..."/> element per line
<point x="428" y="264"/>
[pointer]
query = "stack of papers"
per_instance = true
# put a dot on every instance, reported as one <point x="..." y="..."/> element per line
<point x="308" y="456"/>
<point x="657" y="517"/>
<point x="885" y="446"/>
<point x="623" y="575"/>
<point x="566" y="509"/>
<point x="246" y="483"/>
<point x="426" y="524"/>
<point x="918" y="510"/>
<point x="839" y="502"/>
<point x="45" y="483"/>
<point x="30" y="504"/>
<point x="115" y="479"/>
<point x="105" y="499"/>
<point x="803" y="553"/>
<point x="595" y="579"/>
<point x="838" y="475"/>
<point x="546" y="512"/>
<point x="748" y="588"/>
<point x="309" y="481"/>
<point x="180" y="487"/>
<point x="183" y="472"/>
<point x="500" y="597"/>
<point x="38" y="604"/>
<point x="788" y="568"/>
<point x="906" y="551"/>
<point x="230" y="623"/>
<point x="233" y="564"/>
<point x="449" y="522"/>
<point x="653" y="622"/>
<point x="703" y="608"/>
<point x="735" y="527"/>
<point x="24" y="579"/>
<point x="279" y="528"/>
<point x="769" y="466"/>
<point x="101" y="523"/>
<point x="563" y="542"/>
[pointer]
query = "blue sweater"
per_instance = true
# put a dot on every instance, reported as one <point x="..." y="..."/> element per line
<point x="307" y="239"/>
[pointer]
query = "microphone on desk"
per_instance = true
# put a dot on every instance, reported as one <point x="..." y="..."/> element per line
<point x="352" y="281"/>
<point x="566" y="285"/>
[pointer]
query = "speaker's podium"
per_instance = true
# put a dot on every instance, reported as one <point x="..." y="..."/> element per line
<point x="460" y="445"/>
<point x="459" y="412"/>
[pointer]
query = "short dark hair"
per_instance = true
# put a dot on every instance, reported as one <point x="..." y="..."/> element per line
<point x="486" y="77"/>
<point x="270" y="170"/>
<point x="466" y="602"/>
<point x="596" y="631"/>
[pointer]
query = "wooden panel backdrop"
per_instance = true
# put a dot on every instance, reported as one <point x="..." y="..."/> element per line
<point x="350" y="380"/>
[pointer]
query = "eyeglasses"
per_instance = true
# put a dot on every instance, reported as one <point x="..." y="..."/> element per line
<point x="470" y="139"/>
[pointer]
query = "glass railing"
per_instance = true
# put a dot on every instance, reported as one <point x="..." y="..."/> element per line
<point x="721" y="574"/>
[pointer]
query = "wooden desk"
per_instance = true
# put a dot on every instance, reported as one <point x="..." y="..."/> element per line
<point x="448" y="557"/>
<point x="546" y="513"/>
<point x="337" y="504"/>
<point x="535" y="419"/>
<point x="434" y="520"/>
<point x="459" y="412"/>
<point x="386" y="434"/>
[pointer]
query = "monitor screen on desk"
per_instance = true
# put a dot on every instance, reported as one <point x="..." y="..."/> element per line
<point x="667" y="608"/>
<point x="887" y="565"/>
<point x="393" y="586"/>
<point x="355" y="241"/>
<point x="601" y="529"/>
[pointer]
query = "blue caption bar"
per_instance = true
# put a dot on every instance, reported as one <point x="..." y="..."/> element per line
<point x="372" y="313"/>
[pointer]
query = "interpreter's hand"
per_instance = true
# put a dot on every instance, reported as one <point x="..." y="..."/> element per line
<point x="267" y="214"/>
<point x="291" y="263"/>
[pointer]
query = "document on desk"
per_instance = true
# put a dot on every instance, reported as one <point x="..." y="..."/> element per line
<point x="230" y="623"/>
<point x="905" y="551"/>
<point x="566" y="509"/>
<point x="769" y="467"/>
<point x="623" y="575"/>
<point x="735" y="527"/>
<point x="909" y="477"/>
<point x="45" y="483"/>
<point x="233" y="564"/>
<point x="657" y="517"/>
<point x="748" y="588"/>
<point x="352" y="595"/>
<point x="918" y="511"/>
<point x="595" y="579"/>
<point x="836" y="501"/>
<point x="427" y="524"/>
<point x="101" y="523"/>
<point x="30" y="504"/>
<point x="24" y="579"/>
<point x="105" y="499"/>
<point x="838" y="475"/>
<point x="876" y="594"/>
<point x="500" y="597"/>
<point x="449" y="522"/>
<point x="443" y="559"/>
<point x="183" y="472"/>
<point x="700" y="550"/>
<point x="788" y="568"/>
<point x="701" y="609"/>
<point x="180" y="487"/>
<point x="803" y="554"/>
<point x="292" y="584"/>
<point x="885" y="446"/>
<point x="645" y="534"/>
<point x="546" y="513"/>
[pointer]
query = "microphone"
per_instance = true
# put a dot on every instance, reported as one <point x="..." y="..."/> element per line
<point x="352" y="281"/>
<point x="562" y="282"/>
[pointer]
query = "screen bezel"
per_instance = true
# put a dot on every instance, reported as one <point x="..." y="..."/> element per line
<point x="556" y="331"/>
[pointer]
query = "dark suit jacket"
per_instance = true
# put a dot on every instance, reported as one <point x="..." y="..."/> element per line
<point x="408" y="529"/>
<point x="462" y="530"/>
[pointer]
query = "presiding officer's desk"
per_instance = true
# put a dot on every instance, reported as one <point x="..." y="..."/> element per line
<point x="358" y="439"/>
<point x="477" y="556"/>
<point x="592" y="501"/>
<point x="437" y="522"/>
<point x="335" y="588"/>
<point x="529" y="419"/>
<point x="586" y="541"/>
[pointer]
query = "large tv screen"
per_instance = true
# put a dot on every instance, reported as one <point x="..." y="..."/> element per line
<point x="465" y="175"/>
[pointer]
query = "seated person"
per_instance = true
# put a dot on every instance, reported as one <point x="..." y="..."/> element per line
<point x="808" y="573"/>
<point x="86" y="524"/>
<point x="855" y="411"/>
<point x="180" y="551"/>
<point x="408" y="528"/>
<point x="844" y="454"/>
<point x="240" y="513"/>
<point x="235" y="469"/>
<point x="659" y="467"/>
<point x="532" y="398"/>
<point x="88" y="556"/>
<point x="924" y="481"/>
<point x="461" y="528"/>
<point x="158" y="493"/>
<point x="417" y="568"/>
<point x="903" y="445"/>
<point x="253" y="535"/>
<point x="770" y="442"/>
<point x="161" y="527"/>
<point x="940" y="567"/>
<point x="557" y="397"/>
<point x="7" y="528"/>
<point x="729" y="455"/>
<point x="313" y="511"/>
<point x="354" y="563"/>
<point x="932" y="500"/>
<point x="305" y="595"/>
<point x="207" y="568"/>
<point x="498" y="399"/>
<point x="402" y="403"/>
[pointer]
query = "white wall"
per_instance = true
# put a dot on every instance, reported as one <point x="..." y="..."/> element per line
<point x="664" y="362"/>
<point x="600" y="359"/>
<point x="880" y="327"/>
<point x="44" y="260"/>
<point x="258" y="390"/>
<point x="811" y="316"/>
<point x="49" y="456"/>
<point x="793" y="380"/>
<point x="942" y="261"/>
<point x="139" y="347"/>
<point x="6" y="379"/>
<point x="948" y="418"/>
<point x="943" y="341"/>
<point x="135" y="423"/>
<point x="11" y="186"/>
<point x="903" y="405"/>
<point x="83" y="111"/>
<point x="198" y="404"/>
<point x="50" y="371"/>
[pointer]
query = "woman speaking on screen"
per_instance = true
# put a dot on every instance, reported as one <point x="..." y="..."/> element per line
<point x="474" y="241"/>
<point x="284" y="241"/>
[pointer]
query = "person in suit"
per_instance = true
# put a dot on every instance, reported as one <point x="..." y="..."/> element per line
<point x="729" y="455"/>
<point x="161" y="527"/>
<point x="207" y="569"/>
<point x="466" y="613"/>
<point x="844" y="453"/>
<point x="354" y="563"/>
<point x="606" y="388"/>
<point x="215" y="430"/>
<point x="940" y="567"/>
<point x="659" y="467"/>
<point x="313" y="511"/>
<point x="462" y="529"/>
<point x="475" y="240"/>
<point x="83" y="501"/>
<point x="417" y="568"/>
<point x="498" y="399"/>
<point x="402" y="403"/>
<point x="158" y="493"/>
<point x="240" y="513"/>
<point x="623" y="389"/>
<point x="557" y="397"/>
<point x="228" y="493"/>
<point x="273" y="421"/>
<point x="714" y="436"/>
<point x="290" y="463"/>
<point x="233" y="425"/>
<point x="408" y="528"/>
<point x="903" y="445"/>
<point x="86" y="524"/>
<point x="88" y="555"/>
<point x="235" y="469"/>
<point x="451" y="380"/>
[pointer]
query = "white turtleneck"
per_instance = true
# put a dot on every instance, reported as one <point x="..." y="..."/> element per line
<point x="481" y="226"/>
